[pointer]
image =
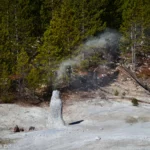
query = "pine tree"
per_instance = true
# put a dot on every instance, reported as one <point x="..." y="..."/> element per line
<point x="33" y="81"/>
<point x="59" y="41"/>
<point x="4" y="80"/>
<point x="6" y="45"/>
<point x="46" y="11"/>
<point x="22" y="68"/>
<point x="94" y="23"/>
<point x="112" y="14"/>
<point x="89" y="15"/>
<point x="20" y="33"/>
<point x="134" y="25"/>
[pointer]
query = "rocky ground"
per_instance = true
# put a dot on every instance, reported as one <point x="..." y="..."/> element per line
<point x="101" y="119"/>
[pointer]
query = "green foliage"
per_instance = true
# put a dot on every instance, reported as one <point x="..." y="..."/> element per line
<point x="111" y="8"/>
<point x="62" y="35"/>
<point x="84" y="65"/>
<point x="36" y="36"/>
<point x="96" y="60"/>
<point x="135" y="102"/>
<point x="4" y="79"/>
<point x="9" y="98"/>
<point x="134" y="26"/>
<point x="22" y="63"/>
<point x="33" y="79"/>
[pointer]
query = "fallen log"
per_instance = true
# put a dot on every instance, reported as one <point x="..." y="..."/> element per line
<point x="133" y="76"/>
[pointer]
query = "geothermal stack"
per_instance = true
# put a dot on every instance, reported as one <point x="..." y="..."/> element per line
<point x="55" y="119"/>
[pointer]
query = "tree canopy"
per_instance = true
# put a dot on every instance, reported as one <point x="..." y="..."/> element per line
<point x="36" y="36"/>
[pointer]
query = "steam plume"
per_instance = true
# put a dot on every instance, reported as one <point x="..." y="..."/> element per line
<point x="108" y="40"/>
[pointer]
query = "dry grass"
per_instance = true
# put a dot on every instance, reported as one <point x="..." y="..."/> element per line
<point x="131" y="120"/>
<point x="6" y="141"/>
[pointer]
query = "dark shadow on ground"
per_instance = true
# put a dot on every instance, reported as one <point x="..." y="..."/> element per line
<point x="92" y="81"/>
<point x="76" y="122"/>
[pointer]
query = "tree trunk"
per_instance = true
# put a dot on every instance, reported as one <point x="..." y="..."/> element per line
<point x="132" y="48"/>
<point x="83" y="19"/>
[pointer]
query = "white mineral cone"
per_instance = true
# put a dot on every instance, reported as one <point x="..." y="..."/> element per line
<point x="55" y="119"/>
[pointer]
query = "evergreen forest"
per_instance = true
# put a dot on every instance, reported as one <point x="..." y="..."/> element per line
<point x="38" y="35"/>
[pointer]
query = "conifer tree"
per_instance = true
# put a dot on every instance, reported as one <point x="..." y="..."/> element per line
<point x="134" y="25"/>
<point x="22" y="68"/>
<point x="7" y="42"/>
<point x="59" y="40"/>
<point x="33" y="81"/>
<point x="94" y="22"/>
<point x="89" y="16"/>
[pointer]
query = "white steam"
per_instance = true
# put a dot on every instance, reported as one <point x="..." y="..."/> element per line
<point x="70" y="62"/>
<point x="108" y="40"/>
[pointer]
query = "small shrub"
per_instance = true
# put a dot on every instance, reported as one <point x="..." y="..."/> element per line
<point x="131" y="120"/>
<point x="84" y="65"/>
<point x="135" y="102"/>
<point x="7" y="98"/>
<point x="6" y="141"/>
<point x="116" y="93"/>
<point x="123" y="94"/>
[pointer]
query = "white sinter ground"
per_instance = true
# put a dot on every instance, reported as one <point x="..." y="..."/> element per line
<point x="107" y="125"/>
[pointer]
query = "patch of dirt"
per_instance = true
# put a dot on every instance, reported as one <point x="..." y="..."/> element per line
<point x="131" y="120"/>
<point x="6" y="141"/>
<point x="31" y="103"/>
